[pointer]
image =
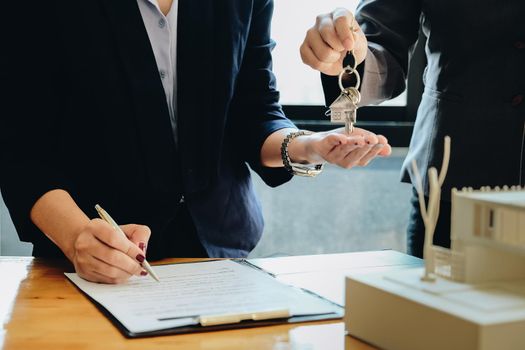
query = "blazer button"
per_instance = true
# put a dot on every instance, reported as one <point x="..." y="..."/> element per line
<point x="517" y="100"/>
<point x="519" y="45"/>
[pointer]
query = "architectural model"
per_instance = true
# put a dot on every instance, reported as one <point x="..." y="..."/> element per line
<point x="471" y="296"/>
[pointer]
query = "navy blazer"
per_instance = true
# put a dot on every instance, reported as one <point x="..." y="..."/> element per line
<point x="83" y="109"/>
<point x="474" y="83"/>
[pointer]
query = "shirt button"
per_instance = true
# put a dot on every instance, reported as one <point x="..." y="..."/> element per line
<point x="162" y="23"/>
<point x="162" y="74"/>
<point x="519" y="45"/>
<point x="517" y="100"/>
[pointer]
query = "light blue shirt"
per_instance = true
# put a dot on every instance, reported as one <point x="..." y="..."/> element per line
<point x="162" y="33"/>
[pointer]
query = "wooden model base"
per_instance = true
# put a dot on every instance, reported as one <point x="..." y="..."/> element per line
<point x="397" y="311"/>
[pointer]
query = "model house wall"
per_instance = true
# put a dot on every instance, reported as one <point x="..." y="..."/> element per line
<point x="487" y="236"/>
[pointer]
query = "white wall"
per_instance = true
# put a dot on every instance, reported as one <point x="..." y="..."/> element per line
<point x="9" y="242"/>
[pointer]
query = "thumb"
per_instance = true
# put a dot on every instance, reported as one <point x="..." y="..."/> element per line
<point x="138" y="234"/>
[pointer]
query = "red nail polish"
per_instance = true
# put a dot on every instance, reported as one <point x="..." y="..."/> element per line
<point x="141" y="246"/>
<point x="143" y="273"/>
<point x="140" y="258"/>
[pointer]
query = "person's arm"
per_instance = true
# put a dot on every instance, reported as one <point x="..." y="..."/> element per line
<point x="260" y="125"/>
<point x="35" y="185"/>
<point x="97" y="251"/>
<point x="333" y="146"/>
<point x="385" y="37"/>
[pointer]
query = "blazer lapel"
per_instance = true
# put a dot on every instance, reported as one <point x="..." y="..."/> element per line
<point x="146" y="90"/>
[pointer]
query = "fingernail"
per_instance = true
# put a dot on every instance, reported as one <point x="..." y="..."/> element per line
<point x="347" y="44"/>
<point x="143" y="273"/>
<point x="141" y="246"/>
<point x="140" y="258"/>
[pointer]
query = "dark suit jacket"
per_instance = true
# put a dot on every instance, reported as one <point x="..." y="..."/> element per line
<point x="474" y="83"/>
<point x="83" y="109"/>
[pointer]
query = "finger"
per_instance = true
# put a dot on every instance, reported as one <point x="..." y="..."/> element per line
<point x="343" y="20"/>
<point x="386" y="151"/>
<point x="112" y="238"/>
<point x="382" y="140"/>
<point x="138" y="234"/>
<point x="353" y="158"/>
<point x="371" y="139"/>
<point x="116" y="259"/>
<point x="323" y="52"/>
<point x="99" y="271"/>
<point x="374" y="152"/>
<point x="310" y="59"/>
<point x="331" y="141"/>
<point x="326" y="29"/>
<point x="338" y="154"/>
<point x="357" y="140"/>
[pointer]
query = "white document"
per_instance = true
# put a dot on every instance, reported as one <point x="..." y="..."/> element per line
<point x="187" y="291"/>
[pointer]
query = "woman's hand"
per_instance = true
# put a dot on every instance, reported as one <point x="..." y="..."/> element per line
<point x="328" y="41"/>
<point x="101" y="254"/>
<point x="346" y="151"/>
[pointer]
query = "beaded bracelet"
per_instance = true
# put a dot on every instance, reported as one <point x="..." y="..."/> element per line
<point x="296" y="168"/>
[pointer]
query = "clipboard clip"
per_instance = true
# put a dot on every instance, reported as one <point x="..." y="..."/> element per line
<point x="214" y="320"/>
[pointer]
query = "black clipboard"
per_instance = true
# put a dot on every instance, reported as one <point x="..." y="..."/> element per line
<point x="337" y="314"/>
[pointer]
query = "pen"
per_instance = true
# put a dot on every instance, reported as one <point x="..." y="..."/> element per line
<point x="214" y="320"/>
<point x="107" y="218"/>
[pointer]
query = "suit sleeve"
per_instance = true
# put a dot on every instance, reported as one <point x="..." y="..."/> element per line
<point x="391" y="29"/>
<point x="29" y="112"/>
<point x="255" y="107"/>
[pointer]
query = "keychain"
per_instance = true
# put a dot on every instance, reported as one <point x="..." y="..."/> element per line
<point x="344" y="108"/>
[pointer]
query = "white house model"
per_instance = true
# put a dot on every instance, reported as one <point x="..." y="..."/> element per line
<point x="487" y="236"/>
<point x="469" y="297"/>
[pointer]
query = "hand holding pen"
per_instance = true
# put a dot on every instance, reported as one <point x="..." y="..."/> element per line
<point x="140" y="258"/>
<point x="102" y="255"/>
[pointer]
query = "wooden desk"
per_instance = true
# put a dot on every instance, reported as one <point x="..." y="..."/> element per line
<point x="40" y="309"/>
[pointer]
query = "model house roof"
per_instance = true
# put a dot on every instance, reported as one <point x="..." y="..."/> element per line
<point x="506" y="197"/>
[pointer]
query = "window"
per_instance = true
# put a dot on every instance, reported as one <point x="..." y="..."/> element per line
<point x="300" y="86"/>
<point x="491" y="219"/>
<point x="484" y="221"/>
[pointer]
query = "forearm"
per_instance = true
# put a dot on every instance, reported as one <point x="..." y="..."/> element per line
<point x="59" y="217"/>
<point x="383" y="78"/>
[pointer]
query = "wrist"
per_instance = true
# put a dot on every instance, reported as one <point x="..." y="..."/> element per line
<point x="297" y="149"/>
<point x="60" y="219"/>
<point x="296" y="154"/>
<point x="301" y="150"/>
<point x="69" y="247"/>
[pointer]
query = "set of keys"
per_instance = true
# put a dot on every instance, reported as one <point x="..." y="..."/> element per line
<point x="344" y="108"/>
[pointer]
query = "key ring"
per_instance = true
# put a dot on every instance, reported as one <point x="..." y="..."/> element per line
<point x="346" y="63"/>
<point x="349" y="70"/>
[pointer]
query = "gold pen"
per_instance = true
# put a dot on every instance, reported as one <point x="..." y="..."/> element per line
<point x="107" y="218"/>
